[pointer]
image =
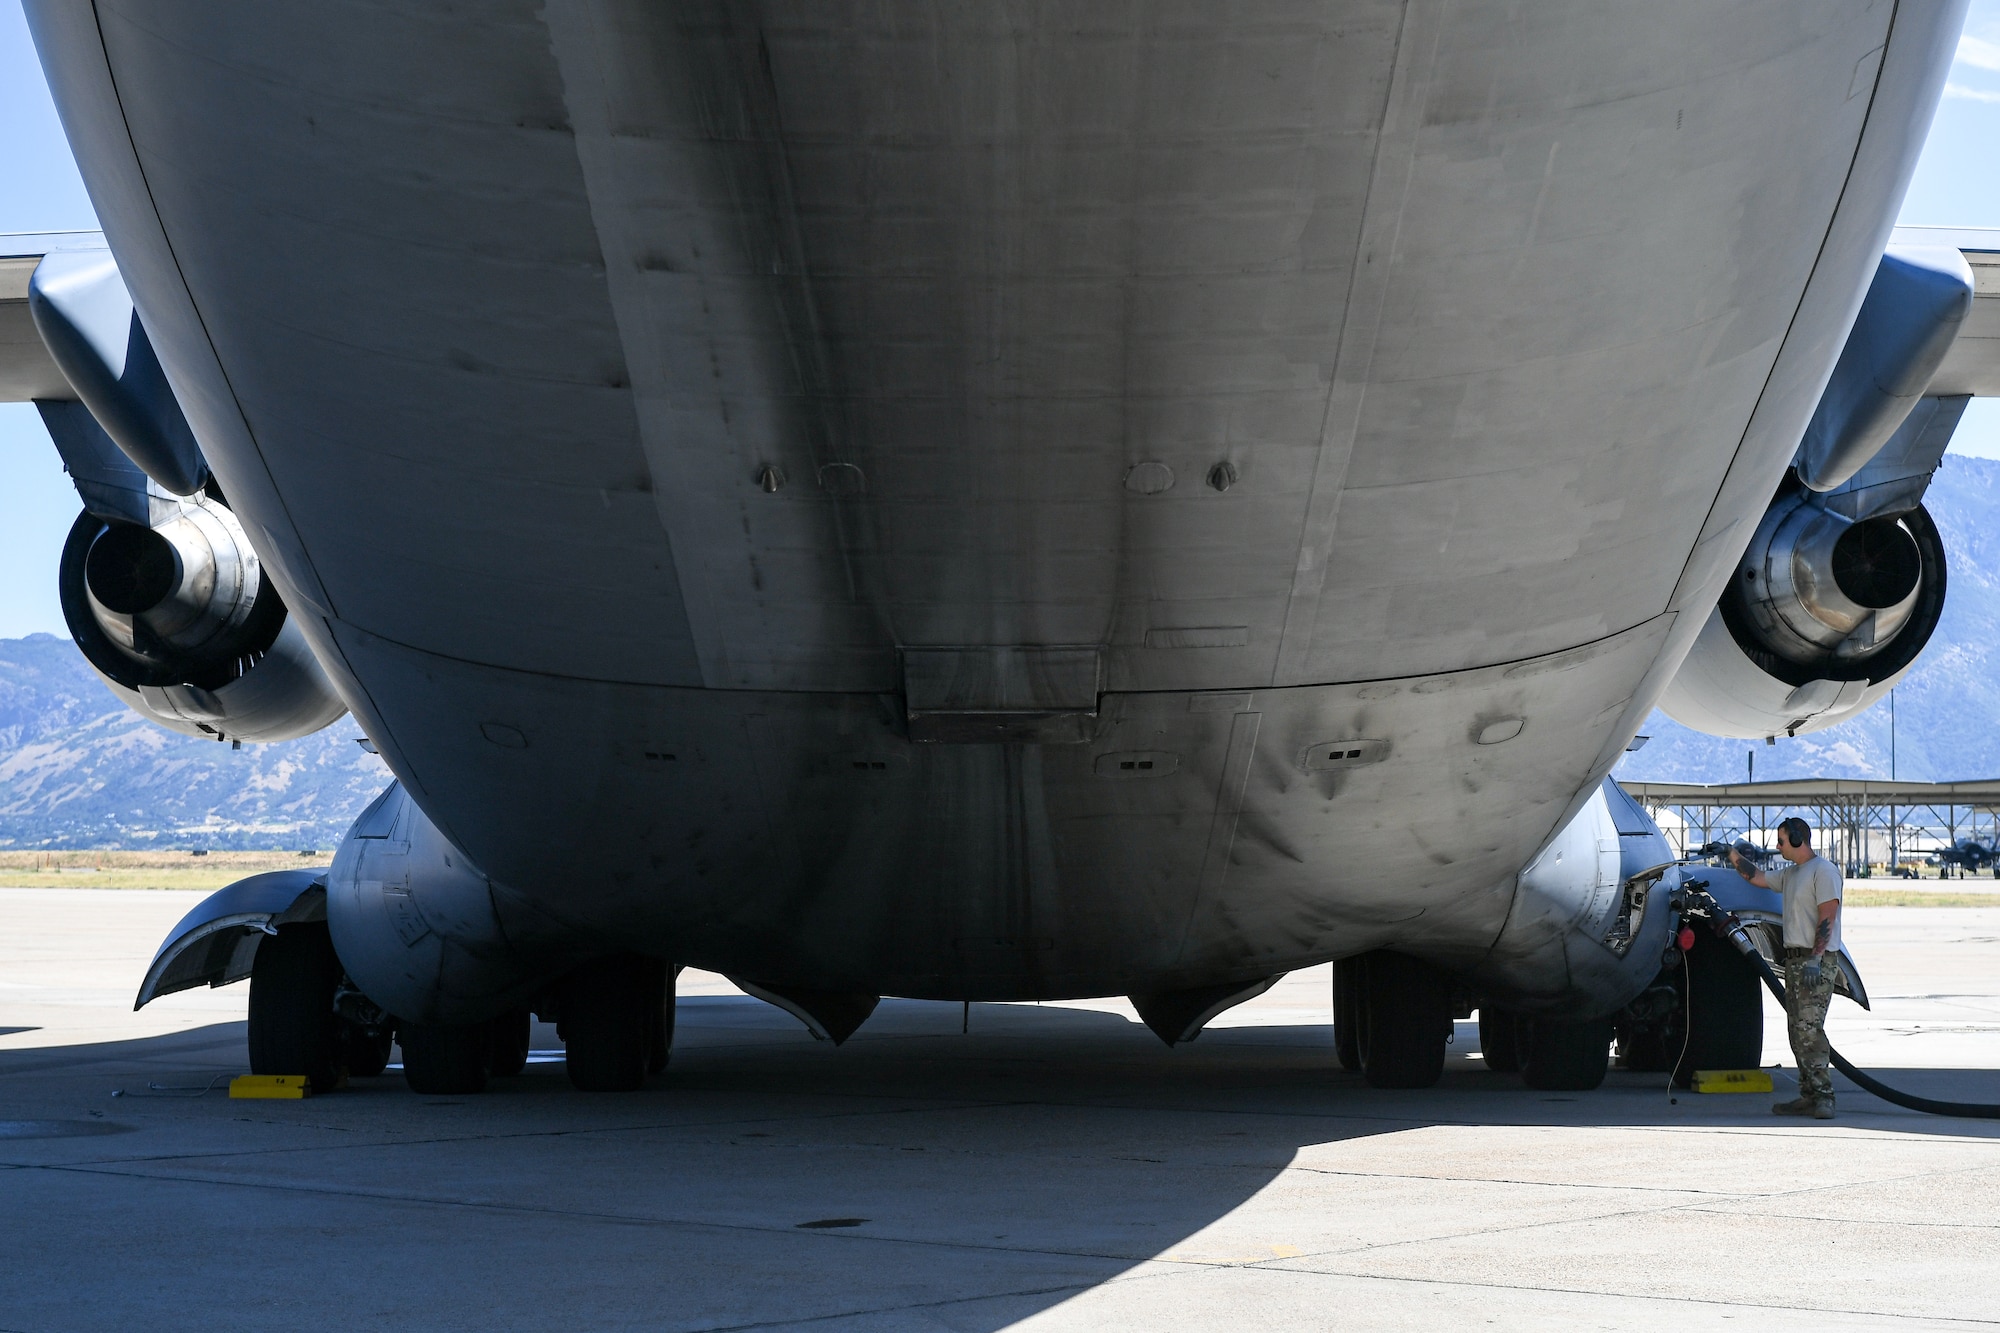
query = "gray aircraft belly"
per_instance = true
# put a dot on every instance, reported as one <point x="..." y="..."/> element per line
<point x="1198" y="835"/>
<point x="615" y="380"/>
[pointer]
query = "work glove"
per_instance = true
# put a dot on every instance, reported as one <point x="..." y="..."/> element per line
<point x="1810" y="972"/>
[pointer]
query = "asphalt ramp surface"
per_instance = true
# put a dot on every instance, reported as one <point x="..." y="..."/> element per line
<point x="1047" y="1167"/>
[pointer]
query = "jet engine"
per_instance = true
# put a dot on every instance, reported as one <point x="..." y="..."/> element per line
<point x="1824" y="614"/>
<point x="178" y="618"/>
<point x="1844" y="579"/>
<point x="159" y="585"/>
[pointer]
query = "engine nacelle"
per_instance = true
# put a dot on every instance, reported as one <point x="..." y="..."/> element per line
<point x="177" y="617"/>
<point x="424" y="933"/>
<point x="1821" y="618"/>
<point x="1844" y="580"/>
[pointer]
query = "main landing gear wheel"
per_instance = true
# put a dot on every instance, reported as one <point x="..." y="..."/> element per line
<point x="512" y="1034"/>
<point x="1347" y="1013"/>
<point x="1405" y="1021"/>
<point x="660" y="1043"/>
<point x="1645" y="1052"/>
<point x="293" y="1028"/>
<point x="1723" y="1007"/>
<point x="367" y="1051"/>
<point x="443" y="1061"/>
<point x="1566" y="1057"/>
<point x="611" y="1022"/>
<point x="1500" y="1039"/>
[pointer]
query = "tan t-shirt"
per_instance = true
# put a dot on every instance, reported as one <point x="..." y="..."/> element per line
<point x="1804" y="887"/>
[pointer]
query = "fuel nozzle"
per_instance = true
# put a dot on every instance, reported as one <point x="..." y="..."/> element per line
<point x="1727" y="926"/>
<point x="1721" y="920"/>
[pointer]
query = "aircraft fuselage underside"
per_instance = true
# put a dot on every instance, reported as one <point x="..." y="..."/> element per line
<point x="978" y="502"/>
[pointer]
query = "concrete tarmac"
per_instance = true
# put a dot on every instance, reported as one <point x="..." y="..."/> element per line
<point x="1053" y="1168"/>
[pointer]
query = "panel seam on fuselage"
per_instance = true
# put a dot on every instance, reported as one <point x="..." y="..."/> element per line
<point x="235" y="400"/>
<point x="1132" y="694"/>
<point x="1791" y="325"/>
<point x="1355" y="353"/>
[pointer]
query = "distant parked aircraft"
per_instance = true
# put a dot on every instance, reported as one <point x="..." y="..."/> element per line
<point x="1970" y="856"/>
<point x="1719" y="850"/>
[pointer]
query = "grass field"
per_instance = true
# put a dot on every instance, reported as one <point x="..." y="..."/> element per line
<point x="1856" y="896"/>
<point x="143" y="870"/>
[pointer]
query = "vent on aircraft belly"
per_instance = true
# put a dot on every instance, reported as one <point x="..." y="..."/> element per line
<point x="1329" y="755"/>
<point x="1137" y="764"/>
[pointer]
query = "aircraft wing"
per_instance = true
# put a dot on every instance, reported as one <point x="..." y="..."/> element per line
<point x="26" y="369"/>
<point x="1973" y="363"/>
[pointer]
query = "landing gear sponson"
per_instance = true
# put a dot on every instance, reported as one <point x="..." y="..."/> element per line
<point x="307" y="1016"/>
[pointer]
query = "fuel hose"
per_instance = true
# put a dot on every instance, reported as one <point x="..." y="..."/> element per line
<point x="1733" y="930"/>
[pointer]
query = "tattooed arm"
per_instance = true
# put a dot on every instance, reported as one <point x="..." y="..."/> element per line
<point x="1750" y="872"/>
<point x="1823" y="934"/>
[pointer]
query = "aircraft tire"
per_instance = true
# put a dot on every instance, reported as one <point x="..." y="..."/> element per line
<point x="1646" y="1052"/>
<point x="1722" y="1003"/>
<point x="660" y="1033"/>
<point x="367" y="1053"/>
<point x="1347" y="1013"/>
<point x="441" y="1061"/>
<point x="610" y="1010"/>
<point x="512" y="1035"/>
<point x="1405" y="1020"/>
<point x="1566" y="1057"/>
<point x="1500" y="1039"/>
<point x="293" y="1028"/>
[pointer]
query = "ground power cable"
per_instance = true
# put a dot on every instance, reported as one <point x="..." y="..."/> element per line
<point x="1732" y="930"/>
<point x="168" y="1090"/>
<point x="1687" y="1028"/>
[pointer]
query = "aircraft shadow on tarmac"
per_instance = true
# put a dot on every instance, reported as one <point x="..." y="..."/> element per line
<point x="990" y="1174"/>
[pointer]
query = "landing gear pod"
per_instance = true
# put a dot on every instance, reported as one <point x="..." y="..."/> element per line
<point x="460" y="960"/>
<point x="1589" y="919"/>
<point x="424" y="932"/>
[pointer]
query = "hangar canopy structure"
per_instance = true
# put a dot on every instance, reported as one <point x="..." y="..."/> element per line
<point x="1865" y="819"/>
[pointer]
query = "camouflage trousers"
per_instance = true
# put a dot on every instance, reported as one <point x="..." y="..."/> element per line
<point x="1805" y="1022"/>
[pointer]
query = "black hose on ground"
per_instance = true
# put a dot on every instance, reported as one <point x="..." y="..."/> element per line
<point x="1928" y="1105"/>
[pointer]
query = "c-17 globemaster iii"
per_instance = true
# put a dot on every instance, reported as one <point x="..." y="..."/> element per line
<point x="986" y="503"/>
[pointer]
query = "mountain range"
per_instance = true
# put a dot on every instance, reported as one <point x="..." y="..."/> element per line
<point x="79" y="770"/>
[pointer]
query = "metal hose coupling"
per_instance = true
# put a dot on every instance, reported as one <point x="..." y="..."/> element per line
<point x="1732" y="930"/>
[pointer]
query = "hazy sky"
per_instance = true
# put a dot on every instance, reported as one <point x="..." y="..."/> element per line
<point x="1956" y="185"/>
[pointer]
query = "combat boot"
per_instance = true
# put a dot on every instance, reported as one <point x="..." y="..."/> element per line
<point x="1796" y="1106"/>
<point x="1822" y="1111"/>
